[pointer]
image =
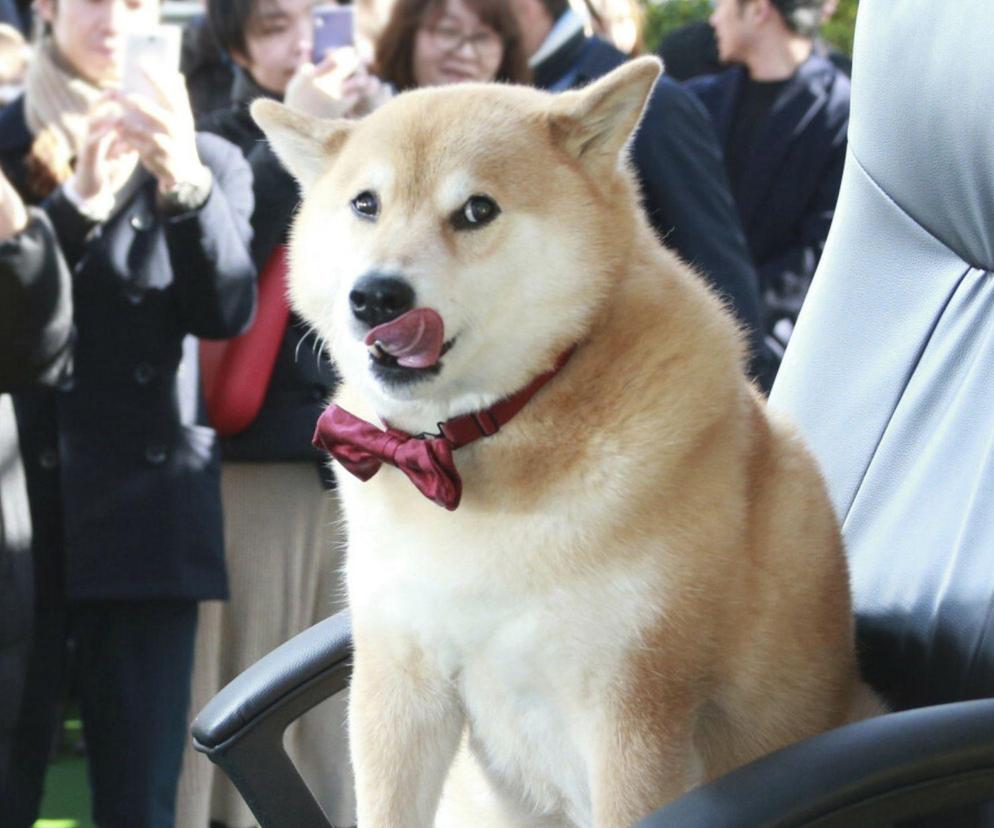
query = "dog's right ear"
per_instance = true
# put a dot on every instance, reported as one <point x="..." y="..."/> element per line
<point x="595" y="123"/>
<point x="305" y="145"/>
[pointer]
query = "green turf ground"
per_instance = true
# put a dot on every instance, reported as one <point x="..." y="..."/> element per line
<point x="66" y="803"/>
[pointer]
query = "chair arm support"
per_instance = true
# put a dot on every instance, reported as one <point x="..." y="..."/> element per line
<point x="870" y="773"/>
<point x="241" y="728"/>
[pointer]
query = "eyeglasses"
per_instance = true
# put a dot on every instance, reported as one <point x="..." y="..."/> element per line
<point x="486" y="45"/>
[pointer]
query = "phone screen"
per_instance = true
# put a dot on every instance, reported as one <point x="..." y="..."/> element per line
<point x="333" y="28"/>
<point x="154" y="51"/>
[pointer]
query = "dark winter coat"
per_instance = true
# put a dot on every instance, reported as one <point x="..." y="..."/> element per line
<point x="123" y="477"/>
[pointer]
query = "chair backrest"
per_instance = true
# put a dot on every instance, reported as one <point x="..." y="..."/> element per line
<point x="890" y="372"/>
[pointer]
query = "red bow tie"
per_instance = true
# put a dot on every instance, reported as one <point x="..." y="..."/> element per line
<point x="427" y="460"/>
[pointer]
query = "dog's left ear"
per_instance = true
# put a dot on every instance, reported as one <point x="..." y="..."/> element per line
<point x="305" y="145"/>
<point x="594" y="124"/>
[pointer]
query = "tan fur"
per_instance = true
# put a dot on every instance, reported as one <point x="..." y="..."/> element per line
<point x="644" y="585"/>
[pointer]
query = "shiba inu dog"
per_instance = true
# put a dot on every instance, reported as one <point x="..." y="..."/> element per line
<point x="630" y="579"/>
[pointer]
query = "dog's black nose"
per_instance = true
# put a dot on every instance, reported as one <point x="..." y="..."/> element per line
<point x="376" y="299"/>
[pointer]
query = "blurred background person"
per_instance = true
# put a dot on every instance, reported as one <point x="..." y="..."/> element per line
<point x="35" y="347"/>
<point x="676" y="156"/>
<point x="265" y="391"/>
<point x="153" y="222"/>
<point x="692" y="49"/>
<point x="435" y="42"/>
<point x="782" y="114"/>
<point x="35" y="299"/>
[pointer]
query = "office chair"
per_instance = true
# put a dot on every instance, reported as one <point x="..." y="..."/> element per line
<point x="890" y="378"/>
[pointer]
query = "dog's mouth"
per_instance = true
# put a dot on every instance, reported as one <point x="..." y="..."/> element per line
<point x="408" y="347"/>
<point x="386" y="367"/>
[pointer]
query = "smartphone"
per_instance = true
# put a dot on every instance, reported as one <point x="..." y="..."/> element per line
<point x="334" y="27"/>
<point x="155" y="51"/>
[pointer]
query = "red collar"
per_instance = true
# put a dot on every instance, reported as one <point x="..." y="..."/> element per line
<point x="426" y="459"/>
<point x="462" y="430"/>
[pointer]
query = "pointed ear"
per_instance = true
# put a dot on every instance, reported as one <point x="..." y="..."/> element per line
<point x="305" y="145"/>
<point x="595" y="123"/>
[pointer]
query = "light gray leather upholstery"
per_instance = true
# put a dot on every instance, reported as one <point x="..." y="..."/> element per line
<point x="890" y="372"/>
<point x="921" y="116"/>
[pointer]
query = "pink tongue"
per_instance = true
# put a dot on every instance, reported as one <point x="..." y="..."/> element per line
<point x="414" y="338"/>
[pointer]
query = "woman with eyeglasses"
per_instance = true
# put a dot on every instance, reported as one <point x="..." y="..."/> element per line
<point x="434" y="42"/>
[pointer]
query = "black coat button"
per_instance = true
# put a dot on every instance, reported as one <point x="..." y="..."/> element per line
<point x="48" y="459"/>
<point x="144" y="373"/>
<point x="155" y="453"/>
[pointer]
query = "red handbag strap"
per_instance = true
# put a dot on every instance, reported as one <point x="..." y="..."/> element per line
<point x="236" y="372"/>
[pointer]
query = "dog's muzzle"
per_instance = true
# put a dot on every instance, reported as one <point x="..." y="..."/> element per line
<point x="377" y="298"/>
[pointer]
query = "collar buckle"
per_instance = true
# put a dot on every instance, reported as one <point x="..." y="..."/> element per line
<point x="486" y="422"/>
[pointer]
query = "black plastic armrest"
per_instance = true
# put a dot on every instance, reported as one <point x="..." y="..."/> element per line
<point x="241" y="728"/>
<point x="872" y="773"/>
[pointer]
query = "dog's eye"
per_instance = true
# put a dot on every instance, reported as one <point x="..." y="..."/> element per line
<point x="475" y="213"/>
<point x="366" y="205"/>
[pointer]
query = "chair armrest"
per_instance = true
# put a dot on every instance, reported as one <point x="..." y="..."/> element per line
<point x="870" y="773"/>
<point x="241" y="728"/>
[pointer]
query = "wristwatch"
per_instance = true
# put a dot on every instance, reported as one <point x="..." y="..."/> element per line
<point x="188" y="194"/>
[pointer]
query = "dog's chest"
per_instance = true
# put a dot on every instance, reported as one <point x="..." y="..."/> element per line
<point x="528" y="675"/>
<point x="532" y="662"/>
<point x="522" y="689"/>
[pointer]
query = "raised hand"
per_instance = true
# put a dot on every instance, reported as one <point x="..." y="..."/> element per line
<point x="103" y="162"/>
<point x="160" y="129"/>
<point x="338" y="87"/>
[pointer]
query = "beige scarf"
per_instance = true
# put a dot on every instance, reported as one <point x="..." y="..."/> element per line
<point x="57" y="102"/>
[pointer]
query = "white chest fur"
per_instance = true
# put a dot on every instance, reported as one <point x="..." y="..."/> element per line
<point x="530" y="639"/>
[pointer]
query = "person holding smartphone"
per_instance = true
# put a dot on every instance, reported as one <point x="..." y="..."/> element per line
<point x="152" y="220"/>
<point x="283" y="544"/>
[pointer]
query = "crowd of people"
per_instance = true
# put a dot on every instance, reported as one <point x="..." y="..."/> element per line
<point x="164" y="519"/>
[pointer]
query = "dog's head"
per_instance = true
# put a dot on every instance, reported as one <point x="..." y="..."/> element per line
<point x="452" y="243"/>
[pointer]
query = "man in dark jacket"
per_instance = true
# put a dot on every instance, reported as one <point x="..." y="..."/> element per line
<point x="691" y="50"/>
<point x="35" y="338"/>
<point x="782" y="117"/>
<point x="677" y="158"/>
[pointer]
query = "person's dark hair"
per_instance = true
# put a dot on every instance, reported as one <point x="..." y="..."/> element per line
<point x="229" y="19"/>
<point x="802" y="17"/>
<point x="394" y="61"/>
